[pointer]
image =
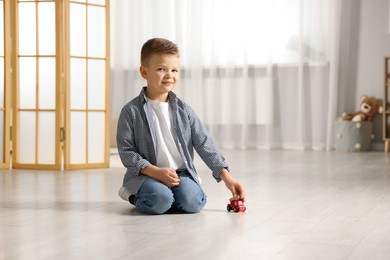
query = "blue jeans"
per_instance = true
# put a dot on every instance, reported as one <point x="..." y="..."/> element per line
<point x="155" y="197"/>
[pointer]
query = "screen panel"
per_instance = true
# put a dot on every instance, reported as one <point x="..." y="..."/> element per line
<point x="78" y="30"/>
<point x="78" y="82"/>
<point x="97" y="2"/>
<point x="87" y="96"/>
<point x="26" y="145"/>
<point x="96" y="84"/>
<point x="46" y="28"/>
<point x="36" y="117"/>
<point x="3" y="151"/>
<point x="78" y="138"/>
<point x="46" y="137"/>
<point x="27" y="28"/>
<point x="47" y="79"/>
<point x="2" y="29"/>
<point x="96" y="133"/>
<point x="27" y="82"/>
<point x="2" y="82"/>
<point x="5" y="83"/>
<point x="96" y="36"/>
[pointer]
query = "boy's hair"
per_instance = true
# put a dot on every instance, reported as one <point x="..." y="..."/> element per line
<point x="157" y="45"/>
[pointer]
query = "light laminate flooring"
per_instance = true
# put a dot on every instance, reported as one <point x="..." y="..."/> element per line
<point x="300" y="205"/>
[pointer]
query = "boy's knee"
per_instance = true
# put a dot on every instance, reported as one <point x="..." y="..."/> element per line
<point x="191" y="204"/>
<point x="155" y="203"/>
<point x="192" y="207"/>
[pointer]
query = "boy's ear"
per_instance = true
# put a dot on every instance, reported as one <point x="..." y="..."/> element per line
<point x="142" y="70"/>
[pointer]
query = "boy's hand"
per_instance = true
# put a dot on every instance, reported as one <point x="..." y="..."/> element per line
<point x="233" y="185"/>
<point x="168" y="176"/>
<point x="236" y="189"/>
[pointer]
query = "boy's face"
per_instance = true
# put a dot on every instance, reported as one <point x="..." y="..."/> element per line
<point x="161" y="73"/>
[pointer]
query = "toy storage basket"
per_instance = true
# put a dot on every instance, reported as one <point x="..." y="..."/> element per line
<point x="353" y="136"/>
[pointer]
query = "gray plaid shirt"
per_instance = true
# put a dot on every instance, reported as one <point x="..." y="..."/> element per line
<point x="137" y="141"/>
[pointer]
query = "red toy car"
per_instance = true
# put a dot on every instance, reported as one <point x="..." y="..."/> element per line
<point x="237" y="205"/>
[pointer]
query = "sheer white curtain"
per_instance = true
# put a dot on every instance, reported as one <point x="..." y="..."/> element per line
<point x="259" y="73"/>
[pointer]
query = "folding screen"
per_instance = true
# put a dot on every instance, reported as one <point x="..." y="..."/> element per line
<point x="60" y="104"/>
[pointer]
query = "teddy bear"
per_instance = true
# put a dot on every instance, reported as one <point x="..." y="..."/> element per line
<point x="369" y="107"/>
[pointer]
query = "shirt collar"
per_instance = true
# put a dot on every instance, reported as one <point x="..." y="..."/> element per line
<point x="171" y="96"/>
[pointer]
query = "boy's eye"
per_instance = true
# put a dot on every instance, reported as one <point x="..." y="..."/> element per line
<point x="175" y="70"/>
<point x="160" y="69"/>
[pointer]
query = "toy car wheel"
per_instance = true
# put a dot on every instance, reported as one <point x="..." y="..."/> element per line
<point x="229" y="208"/>
<point x="235" y="209"/>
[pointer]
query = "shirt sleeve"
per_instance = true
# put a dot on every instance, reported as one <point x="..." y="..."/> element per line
<point x="205" y="146"/>
<point x="127" y="150"/>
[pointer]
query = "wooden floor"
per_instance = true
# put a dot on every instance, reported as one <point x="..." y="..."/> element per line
<point x="300" y="205"/>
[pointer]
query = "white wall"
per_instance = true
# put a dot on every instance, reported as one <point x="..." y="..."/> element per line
<point x="374" y="44"/>
<point x="365" y="42"/>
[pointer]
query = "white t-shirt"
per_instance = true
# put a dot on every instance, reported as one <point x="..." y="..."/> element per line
<point x="167" y="153"/>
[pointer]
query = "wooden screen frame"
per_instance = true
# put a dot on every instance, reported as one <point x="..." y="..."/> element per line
<point x="5" y="163"/>
<point x="67" y="146"/>
<point x="15" y="95"/>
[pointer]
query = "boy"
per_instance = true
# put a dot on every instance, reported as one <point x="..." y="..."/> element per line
<point x="157" y="133"/>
